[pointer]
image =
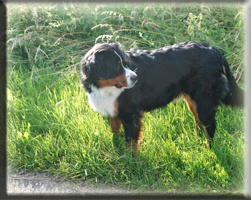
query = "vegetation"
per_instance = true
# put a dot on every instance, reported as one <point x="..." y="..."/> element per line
<point x="51" y="128"/>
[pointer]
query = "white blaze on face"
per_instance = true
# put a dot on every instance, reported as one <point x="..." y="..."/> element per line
<point x="128" y="73"/>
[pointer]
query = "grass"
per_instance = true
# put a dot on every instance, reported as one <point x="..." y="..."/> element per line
<point x="52" y="129"/>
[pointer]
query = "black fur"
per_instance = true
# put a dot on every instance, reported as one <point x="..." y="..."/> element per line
<point x="192" y="68"/>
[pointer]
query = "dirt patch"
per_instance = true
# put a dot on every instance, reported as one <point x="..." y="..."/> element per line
<point x="23" y="184"/>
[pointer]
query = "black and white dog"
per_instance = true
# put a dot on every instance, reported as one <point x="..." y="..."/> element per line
<point x="123" y="84"/>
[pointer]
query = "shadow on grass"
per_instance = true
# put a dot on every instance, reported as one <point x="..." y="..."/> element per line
<point x="234" y="166"/>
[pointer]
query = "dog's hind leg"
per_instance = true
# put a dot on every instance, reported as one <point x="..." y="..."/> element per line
<point x="204" y="115"/>
<point x="209" y="122"/>
<point x="192" y="106"/>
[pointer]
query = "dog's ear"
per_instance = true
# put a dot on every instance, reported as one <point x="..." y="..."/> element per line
<point x="94" y="62"/>
<point x="85" y="69"/>
<point x="98" y="64"/>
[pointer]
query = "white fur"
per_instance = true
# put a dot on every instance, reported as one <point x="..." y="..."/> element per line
<point x="103" y="99"/>
<point x="128" y="74"/>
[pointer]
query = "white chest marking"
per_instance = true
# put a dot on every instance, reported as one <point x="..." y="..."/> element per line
<point x="102" y="100"/>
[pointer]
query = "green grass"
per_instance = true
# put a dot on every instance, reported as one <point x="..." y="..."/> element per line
<point x="51" y="127"/>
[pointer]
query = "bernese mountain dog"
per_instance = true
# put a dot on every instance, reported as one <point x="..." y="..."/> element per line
<point x="123" y="84"/>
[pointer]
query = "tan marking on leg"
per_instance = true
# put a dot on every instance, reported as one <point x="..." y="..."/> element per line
<point x="131" y="144"/>
<point x="139" y="135"/>
<point x="139" y="132"/>
<point x="115" y="125"/>
<point x="116" y="106"/>
<point x="192" y="106"/>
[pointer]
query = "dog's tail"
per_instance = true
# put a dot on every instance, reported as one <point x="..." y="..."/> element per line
<point x="235" y="95"/>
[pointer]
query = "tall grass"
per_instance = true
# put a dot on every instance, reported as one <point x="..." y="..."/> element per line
<point x="51" y="128"/>
<point x="57" y="34"/>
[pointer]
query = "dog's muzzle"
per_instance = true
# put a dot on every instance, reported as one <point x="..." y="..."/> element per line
<point x="131" y="77"/>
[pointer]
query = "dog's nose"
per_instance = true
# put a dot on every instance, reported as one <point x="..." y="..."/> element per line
<point x="134" y="77"/>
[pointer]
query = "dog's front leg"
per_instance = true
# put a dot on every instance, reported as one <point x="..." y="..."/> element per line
<point x="115" y="125"/>
<point x="133" y="131"/>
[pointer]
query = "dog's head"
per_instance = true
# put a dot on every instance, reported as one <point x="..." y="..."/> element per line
<point x="105" y="66"/>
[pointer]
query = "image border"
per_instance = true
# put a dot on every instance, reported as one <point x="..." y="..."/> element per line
<point x="247" y="103"/>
